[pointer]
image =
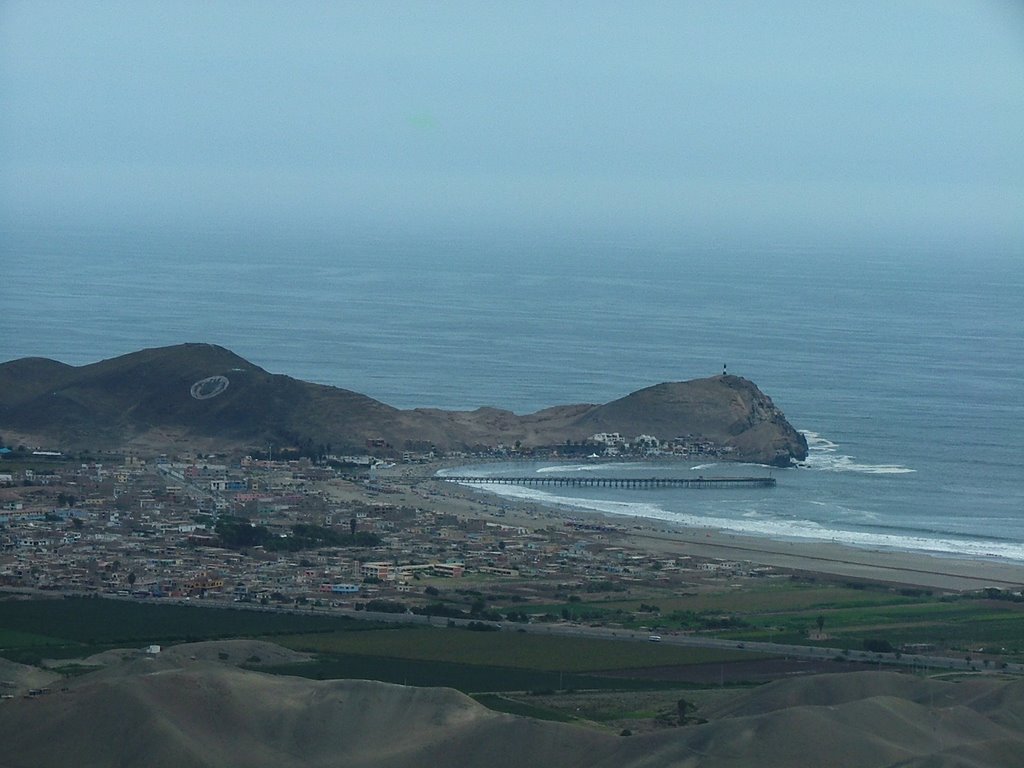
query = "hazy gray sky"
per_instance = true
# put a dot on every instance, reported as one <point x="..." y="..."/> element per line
<point x="787" y="121"/>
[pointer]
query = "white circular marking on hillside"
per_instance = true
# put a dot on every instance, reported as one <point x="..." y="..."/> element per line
<point x="209" y="387"/>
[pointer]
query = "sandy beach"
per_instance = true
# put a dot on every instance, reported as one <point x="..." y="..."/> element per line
<point x="416" y="486"/>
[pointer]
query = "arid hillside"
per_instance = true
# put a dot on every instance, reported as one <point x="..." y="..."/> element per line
<point x="190" y="710"/>
<point x="190" y="392"/>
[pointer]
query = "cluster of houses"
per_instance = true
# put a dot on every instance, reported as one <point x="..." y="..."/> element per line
<point x="614" y="444"/>
<point x="149" y="530"/>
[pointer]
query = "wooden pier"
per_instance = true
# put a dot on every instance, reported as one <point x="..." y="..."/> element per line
<point x="619" y="482"/>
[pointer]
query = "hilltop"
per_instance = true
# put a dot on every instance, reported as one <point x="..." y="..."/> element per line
<point x="192" y="392"/>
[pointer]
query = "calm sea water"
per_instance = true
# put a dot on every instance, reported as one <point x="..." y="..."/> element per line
<point x="906" y="369"/>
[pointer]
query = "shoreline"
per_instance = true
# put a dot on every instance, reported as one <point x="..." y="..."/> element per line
<point x="898" y="567"/>
<point x="771" y="526"/>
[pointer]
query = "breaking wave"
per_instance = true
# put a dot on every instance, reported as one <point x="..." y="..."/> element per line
<point x="823" y="455"/>
<point x="559" y="468"/>
<point x="768" y="526"/>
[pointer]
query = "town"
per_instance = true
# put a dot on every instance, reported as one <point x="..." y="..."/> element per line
<point x="337" y="533"/>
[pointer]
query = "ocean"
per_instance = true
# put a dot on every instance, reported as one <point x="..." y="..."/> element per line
<point x="904" y="368"/>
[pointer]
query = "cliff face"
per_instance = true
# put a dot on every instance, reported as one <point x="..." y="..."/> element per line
<point x="193" y="391"/>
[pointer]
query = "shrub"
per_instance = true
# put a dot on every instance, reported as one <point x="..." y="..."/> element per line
<point x="479" y="626"/>
<point x="876" y="645"/>
<point x="385" y="606"/>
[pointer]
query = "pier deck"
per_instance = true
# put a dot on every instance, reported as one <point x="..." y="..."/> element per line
<point x="618" y="482"/>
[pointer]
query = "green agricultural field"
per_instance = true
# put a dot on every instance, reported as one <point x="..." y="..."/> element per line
<point x="996" y="634"/>
<point x="946" y="623"/>
<point x="514" y="707"/>
<point x="723" y="608"/>
<point x="624" y="709"/>
<point x="64" y="628"/>
<point x="11" y="638"/>
<point x="468" y="678"/>
<point x="509" y="649"/>
<point x="788" y="610"/>
<point x="925" y="616"/>
<point x="773" y="597"/>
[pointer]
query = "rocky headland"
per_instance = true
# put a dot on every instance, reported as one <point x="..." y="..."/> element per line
<point x="167" y="396"/>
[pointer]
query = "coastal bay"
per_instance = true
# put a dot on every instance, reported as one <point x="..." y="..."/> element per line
<point x="909" y="406"/>
<point x="411" y="384"/>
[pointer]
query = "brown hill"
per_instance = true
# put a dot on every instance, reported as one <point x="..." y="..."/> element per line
<point x="202" y="391"/>
<point x="832" y="689"/>
<point x="206" y="713"/>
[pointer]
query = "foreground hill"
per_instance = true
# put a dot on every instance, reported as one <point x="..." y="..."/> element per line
<point x="195" y="391"/>
<point x="203" y="713"/>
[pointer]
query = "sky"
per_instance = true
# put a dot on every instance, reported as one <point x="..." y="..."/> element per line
<point x="804" y="122"/>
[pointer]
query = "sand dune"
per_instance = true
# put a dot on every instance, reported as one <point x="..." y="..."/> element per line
<point x="191" y="708"/>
